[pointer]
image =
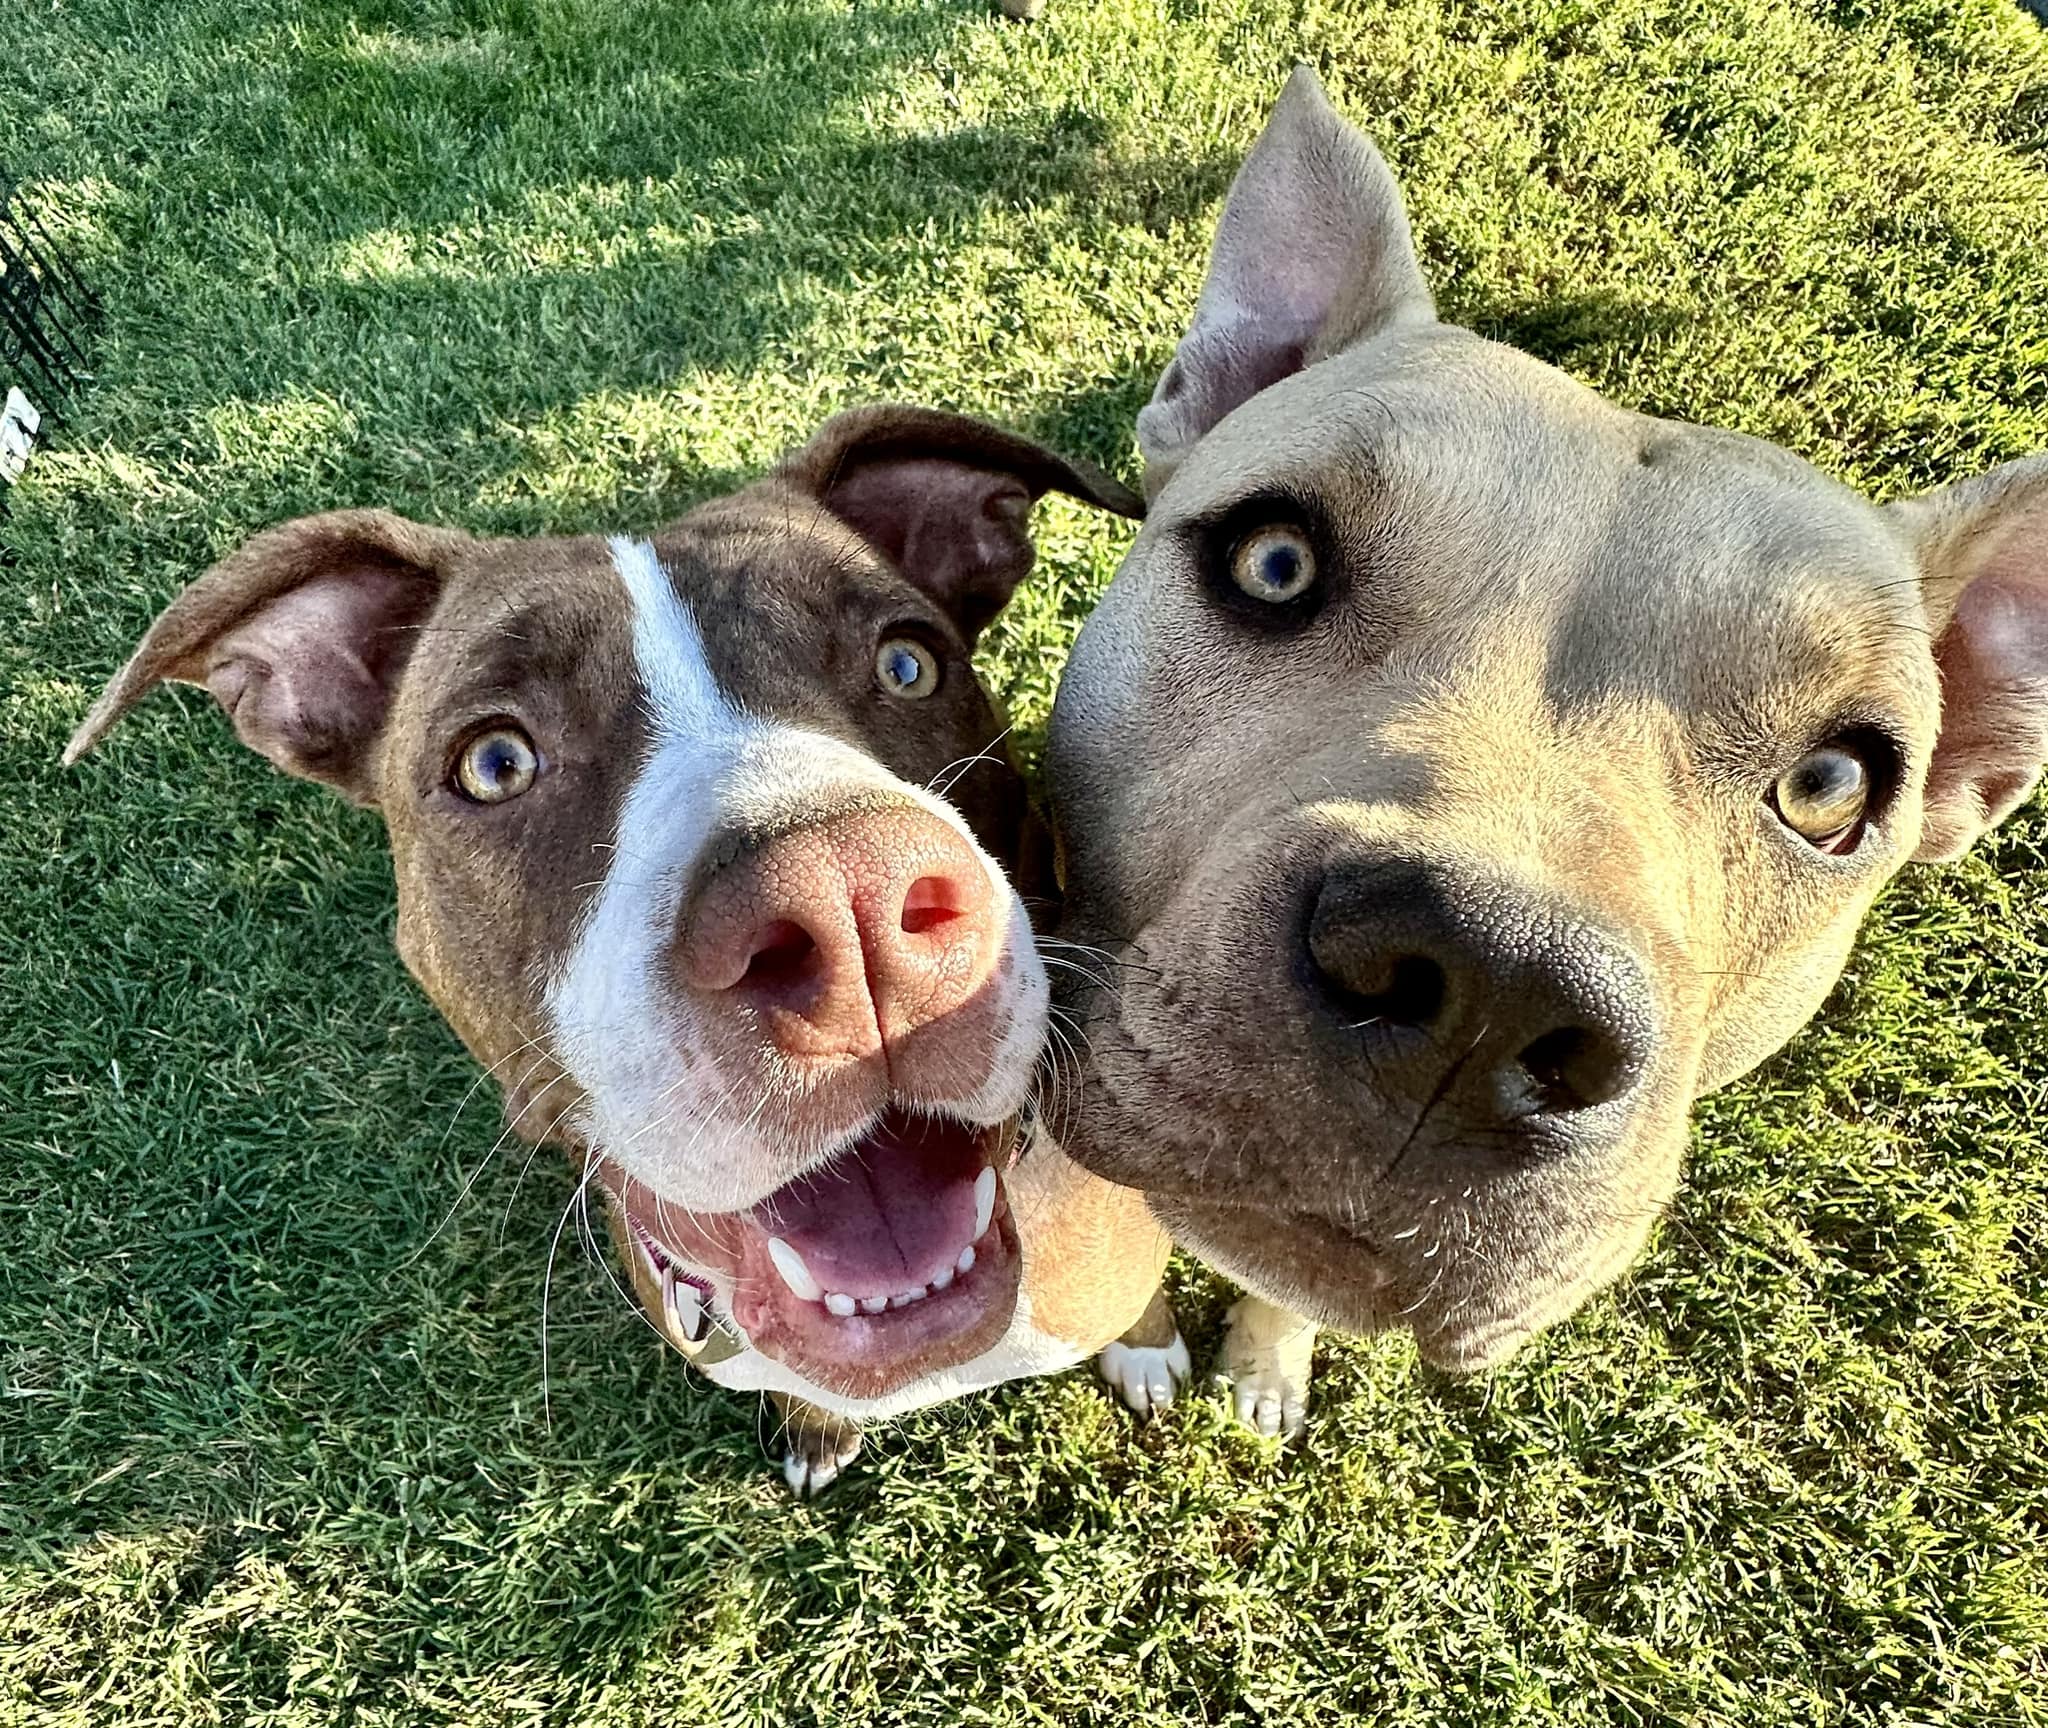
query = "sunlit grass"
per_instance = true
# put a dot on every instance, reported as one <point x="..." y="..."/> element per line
<point x="272" y="1450"/>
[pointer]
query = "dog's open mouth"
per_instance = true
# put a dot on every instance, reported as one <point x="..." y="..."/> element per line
<point x="894" y="1260"/>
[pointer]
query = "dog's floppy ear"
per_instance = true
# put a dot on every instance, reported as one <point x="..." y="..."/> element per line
<point x="1312" y="254"/>
<point x="946" y="498"/>
<point x="301" y="636"/>
<point x="1983" y="551"/>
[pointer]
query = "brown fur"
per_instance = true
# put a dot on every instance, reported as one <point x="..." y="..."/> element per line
<point x="1093" y="1255"/>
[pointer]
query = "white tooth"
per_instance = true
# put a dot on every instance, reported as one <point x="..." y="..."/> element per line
<point x="873" y="1304"/>
<point x="794" y="1272"/>
<point x="905" y="1298"/>
<point x="984" y="1201"/>
<point x="838" y="1304"/>
<point x="944" y="1278"/>
<point x="966" y="1261"/>
<point x="685" y="1307"/>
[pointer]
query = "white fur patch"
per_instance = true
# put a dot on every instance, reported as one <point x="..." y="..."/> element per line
<point x="617" y="1030"/>
<point x="681" y="691"/>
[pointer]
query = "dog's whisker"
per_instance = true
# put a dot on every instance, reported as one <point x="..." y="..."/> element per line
<point x="604" y="1264"/>
<point x="504" y="1134"/>
<point x="547" y="1293"/>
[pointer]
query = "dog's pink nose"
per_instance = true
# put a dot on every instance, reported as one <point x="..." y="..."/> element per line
<point x="848" y="935"/>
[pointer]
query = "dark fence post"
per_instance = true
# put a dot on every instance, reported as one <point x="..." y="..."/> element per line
<point x="45" y="309"/>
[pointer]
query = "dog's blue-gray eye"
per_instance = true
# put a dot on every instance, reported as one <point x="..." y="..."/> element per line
<point x="1274" y="564"/>
<point x="905" y="667"/>
<point x="1823" y="796"/>
<point x="496" y="765"/>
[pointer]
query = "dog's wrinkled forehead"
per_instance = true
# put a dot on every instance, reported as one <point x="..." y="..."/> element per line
<point x="1492" y="513"/>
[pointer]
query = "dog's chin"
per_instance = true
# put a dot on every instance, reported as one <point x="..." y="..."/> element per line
<point x="894" y="1259"/>
<point x="1296" y="1260"/>
<point x="1326" y="1272"/>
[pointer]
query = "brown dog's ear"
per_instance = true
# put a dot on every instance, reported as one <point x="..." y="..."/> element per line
<point x="945" y="498"/>
<point x="301" y="635"/>
<point x="1983" y="551"/>
<point x="1312" y="255"/>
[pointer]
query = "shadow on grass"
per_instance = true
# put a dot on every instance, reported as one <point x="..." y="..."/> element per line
<point x="239" y="1328"/>
<point x="456" y="234"/>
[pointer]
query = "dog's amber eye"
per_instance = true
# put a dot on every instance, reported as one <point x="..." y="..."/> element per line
<point x="1274" y="564"/>
<point x="496" y="765"/>
<point x="1823" y="797"/>
<point x="904" y="667"/>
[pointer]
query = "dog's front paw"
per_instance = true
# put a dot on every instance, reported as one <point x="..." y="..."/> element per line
<point x="1268" y="1358"/>
<point x="816" y="1446"/>
<point x="813" y="1464"/>
<point x="1146" y="1377"/>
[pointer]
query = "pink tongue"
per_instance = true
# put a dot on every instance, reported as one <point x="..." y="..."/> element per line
<point x="887" y="1215"/>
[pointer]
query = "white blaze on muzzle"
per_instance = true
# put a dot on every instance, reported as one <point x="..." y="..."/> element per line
<point x="657" y="1104"/>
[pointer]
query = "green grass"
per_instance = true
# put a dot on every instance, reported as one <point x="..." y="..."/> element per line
<point x="272" y="1450"/>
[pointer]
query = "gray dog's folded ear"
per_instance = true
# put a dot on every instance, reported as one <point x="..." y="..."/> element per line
<point x="1983" y="552"/>
<point x="301" y="635"/>
<point x="944" y="497"/>
<point x="1312" y="255"/>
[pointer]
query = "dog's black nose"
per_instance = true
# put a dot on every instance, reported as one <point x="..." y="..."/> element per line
<point x="1484" y="1000"/>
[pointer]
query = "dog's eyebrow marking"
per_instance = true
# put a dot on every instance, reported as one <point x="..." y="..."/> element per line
<point x="682" y="694"/>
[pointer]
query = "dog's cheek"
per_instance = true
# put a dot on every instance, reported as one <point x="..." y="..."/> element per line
<point x="1779" y="987"/>
<point x="474" y="937"/>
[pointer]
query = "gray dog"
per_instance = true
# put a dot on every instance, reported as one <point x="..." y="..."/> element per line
<point x="1464" y="774"/>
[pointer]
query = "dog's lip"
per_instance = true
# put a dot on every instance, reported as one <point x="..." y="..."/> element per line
<point x="869" y="1355"/>
<point x="958" y="1311"/>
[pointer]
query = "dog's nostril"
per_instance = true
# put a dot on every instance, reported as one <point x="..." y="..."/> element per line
<point x="932" y="901"/>
<point x="783" y="953"/>
<point x="1394" y="989"/>
<point x="1413" y="994"/>
<point x="1571" y="1068"/>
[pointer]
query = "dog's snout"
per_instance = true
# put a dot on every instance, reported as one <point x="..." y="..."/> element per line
<point x="845" y="934"/>
<point x="1479" y="996"/>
